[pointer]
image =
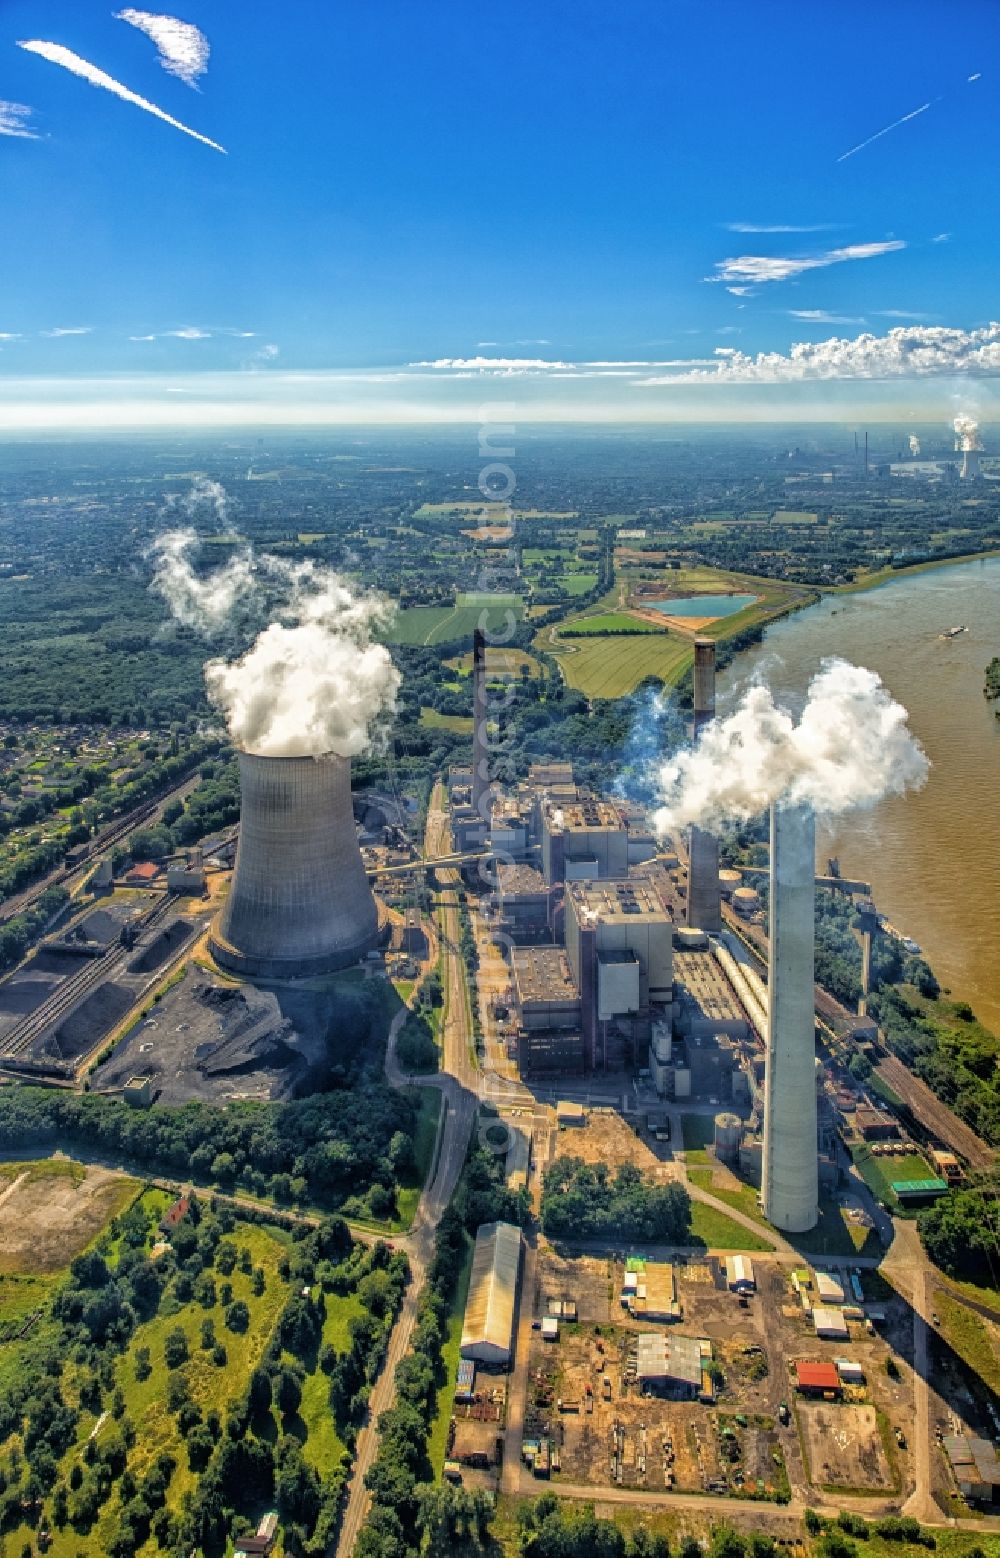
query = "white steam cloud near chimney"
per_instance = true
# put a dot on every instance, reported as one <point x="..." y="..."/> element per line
<point x="850" y="747"/>
<point x="966" y="432"/>
<point x="914" y="445"/>
<point x="313" y="681"/>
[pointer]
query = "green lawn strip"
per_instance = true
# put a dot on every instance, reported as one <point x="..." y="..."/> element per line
<point x="970" y="1336"/>
<point x="718" y="1232"/>
<point x="742" y="1200"/>
<point x="323" y="1447"/>
<point x="876" y="1174"/>
<point x="438" y="1439"/>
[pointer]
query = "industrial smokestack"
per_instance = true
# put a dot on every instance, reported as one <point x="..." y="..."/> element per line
<point x="300" y="903"/>
<point x="480" y="753"/>
<point x="704" y="909"/>
<point x="790" y="1180"/>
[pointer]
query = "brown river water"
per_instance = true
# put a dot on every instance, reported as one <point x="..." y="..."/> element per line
<point x="932" y="857"/>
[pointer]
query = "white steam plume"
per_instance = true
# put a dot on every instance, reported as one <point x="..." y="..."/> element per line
<point x="966" y="433"/>
<point x="58" y="54"/>
<point x="203" y="604"/>
<point x="914" y="445"/>
<point x="182" y="47"/>
<point x="313" y="681"/>
<point x="850" y="747"/>
<point x="205" y="495"/>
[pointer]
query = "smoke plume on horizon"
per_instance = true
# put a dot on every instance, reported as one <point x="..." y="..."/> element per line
<point x="850" y="747"/>
<point x="966" y="432"/>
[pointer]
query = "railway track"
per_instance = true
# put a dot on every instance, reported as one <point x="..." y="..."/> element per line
<point x="74" y="989"/>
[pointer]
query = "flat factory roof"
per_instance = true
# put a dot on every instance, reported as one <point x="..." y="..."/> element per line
<point x="669" y="1357"/>
<point x="622" y="900"/>
<point x="703" y="979"/>
<point x="542" y="974"/>
<point x="588" y="814"/>
<point x="520" y="881"/>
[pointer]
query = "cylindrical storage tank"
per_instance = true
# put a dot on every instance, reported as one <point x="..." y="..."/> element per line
<point x="727" y="1137"/>
<point x="690" y="940"/>
<point x="729" y="881"/>
<point x="300" y="903"/>
<point x="746" y="901"/>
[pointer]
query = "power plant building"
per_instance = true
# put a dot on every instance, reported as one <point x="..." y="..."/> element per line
<point x="300" y="903"/>
<point x="619" y="943"/>
<point x="790" y="1172"/>
<point x="583" y="840"/>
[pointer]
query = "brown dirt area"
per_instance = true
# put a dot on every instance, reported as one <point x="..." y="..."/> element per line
<point x="844" y="1445"/>
<point x="606" y="1138"/>
<point x="46" y="1218"/>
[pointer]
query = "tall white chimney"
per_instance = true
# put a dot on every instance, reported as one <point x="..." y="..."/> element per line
<point x="790" y="1180"/>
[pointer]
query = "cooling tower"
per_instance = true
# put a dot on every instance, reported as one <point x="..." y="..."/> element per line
<point x="300" y="903"/>
<point x="704" y="909"/>
<point x="970" y="465"/>
<point x="790" y="1180"/>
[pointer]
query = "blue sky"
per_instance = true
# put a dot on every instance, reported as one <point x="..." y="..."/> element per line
<point x="556" y="178"/>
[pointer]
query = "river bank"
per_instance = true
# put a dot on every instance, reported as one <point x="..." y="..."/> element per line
<point x="933" y="857"/>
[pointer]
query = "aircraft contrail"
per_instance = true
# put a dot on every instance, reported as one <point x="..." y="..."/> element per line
<point x="894" y="126"/>
<point x="57" y="54"/>
<point x="913" y="114"/>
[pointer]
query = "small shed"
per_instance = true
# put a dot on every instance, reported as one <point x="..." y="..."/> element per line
<point x="550" y="1329"/>
<point x="850" y="1372"/>
<point x="739" y="1274"/>
<point x="815" y="1379"/>
<point x="830" y="1324"/>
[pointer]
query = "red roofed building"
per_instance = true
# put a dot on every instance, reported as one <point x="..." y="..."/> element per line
<point x="815" y="1379"/>
<point x="144" y="873"/>
<point x="176" y="1213"/>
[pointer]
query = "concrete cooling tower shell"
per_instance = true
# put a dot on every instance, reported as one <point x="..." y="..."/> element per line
<point x="300" y="903"/>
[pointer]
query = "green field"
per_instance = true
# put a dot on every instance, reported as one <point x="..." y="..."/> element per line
<point x="794" y="517"/>
<point x="438" y="1440"/>
<point x="577" y="583"/>
<point x="444" y="624"/>
<point x="602" y="667"/>
<point x="971" y="1337"/>
<point x="718" y="1232"/>
<point x="460" y="724"/>
<point x="610" y="622"/>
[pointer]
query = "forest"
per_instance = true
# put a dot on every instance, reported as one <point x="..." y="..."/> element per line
<point x="586" y="1201"/>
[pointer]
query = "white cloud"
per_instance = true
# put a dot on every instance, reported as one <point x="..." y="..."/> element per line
<point x="60" y="330"/>
<point x="941" y="238"/>
<point x="182" y="48"/>
<point x="189" y="333"/>
<point x="820" y="316"/>
<point x="759" y="268"/>
<point x="897" y="313"/>
<point x="13" y="117"/>
<point x="10" y="335"/>
<point x="742" y="292"/>
<point x="57" y="54"/>
<point x="503" y="363"/>
<point x="914" y="351"/>
<point x="142" y="337"/>
<point x="778" y="227"/>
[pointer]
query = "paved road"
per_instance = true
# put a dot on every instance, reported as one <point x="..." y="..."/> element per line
<point x="459" y="1086"/>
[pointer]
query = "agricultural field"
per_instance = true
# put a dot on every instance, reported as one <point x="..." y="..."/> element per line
<point x="426" y="625"/>
<point x="605" y="667"/>
<point x="459" y="724"/>
<point x="577" y="583"/>
<point x="499" y="662"/>
<point x="610" y="622"/>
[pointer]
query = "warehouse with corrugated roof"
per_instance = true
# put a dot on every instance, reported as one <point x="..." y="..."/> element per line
<point x="488" y="1327"/>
